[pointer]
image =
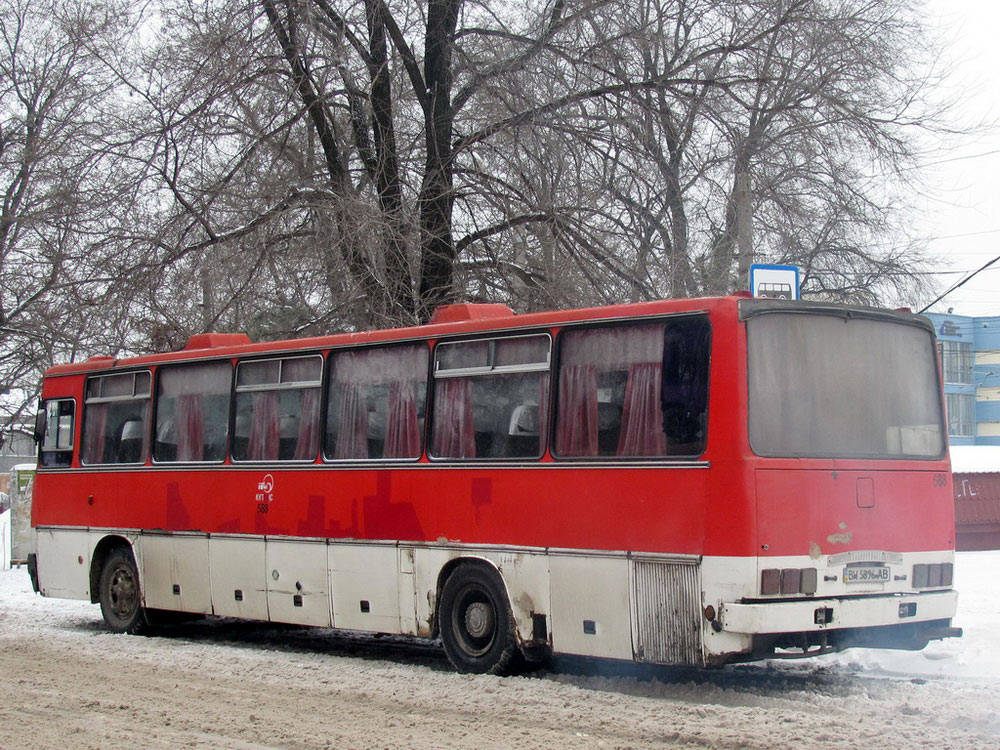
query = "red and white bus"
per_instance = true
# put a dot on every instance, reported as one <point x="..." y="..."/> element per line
<point x="688" y="482"/>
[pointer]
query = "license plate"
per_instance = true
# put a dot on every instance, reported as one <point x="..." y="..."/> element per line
<point x="867" y="574"/>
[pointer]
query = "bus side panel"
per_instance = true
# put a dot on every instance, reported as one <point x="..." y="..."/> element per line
<point x="175" y="572"/>
<point x="653" y="508"/>
<point x="298" y="589"/>
<point x="64" y="563"/>
<point x="365" y="587"/>
<point x="726" y="579"/>
<point x="239" y="577"/>
<point x="590" y="605"/>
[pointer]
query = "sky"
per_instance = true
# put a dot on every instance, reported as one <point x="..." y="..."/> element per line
<point x="960" y="210"/>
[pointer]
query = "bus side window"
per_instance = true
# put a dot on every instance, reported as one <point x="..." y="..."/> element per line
<point x="116" y="419"/>
<point x="490" y="397"/>
<point x="633" y="390"/>
<point x="278" y="409"/>
<point x="376" y="403"/>
<point x="192" y="412"/>
<point x="56" y="447"/>
<point x="684" y="395"/>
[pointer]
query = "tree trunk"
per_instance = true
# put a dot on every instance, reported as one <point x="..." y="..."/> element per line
<point x="437" y="263"/>
<point x="337" y="174"/>
<point x="398" y="282"/>
<point x="742" y="198"/>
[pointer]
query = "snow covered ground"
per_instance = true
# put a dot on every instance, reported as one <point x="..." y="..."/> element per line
<point x="65" y="682"/>
<point x="976" y="654"/>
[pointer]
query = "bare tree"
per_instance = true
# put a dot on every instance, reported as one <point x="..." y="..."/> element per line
<point x="57" y="184"/>
<point x="290" y="167"/>
<point x="818" y="137"/>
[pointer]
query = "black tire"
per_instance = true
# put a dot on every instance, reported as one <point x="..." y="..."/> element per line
<point x="477" y="627"/>
<point x="121" y="597"/>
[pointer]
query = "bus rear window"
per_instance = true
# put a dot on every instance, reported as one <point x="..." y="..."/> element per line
<point x="842" y="387"/>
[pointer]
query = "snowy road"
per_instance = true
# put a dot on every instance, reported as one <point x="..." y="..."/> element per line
<point x="67" y="683"/>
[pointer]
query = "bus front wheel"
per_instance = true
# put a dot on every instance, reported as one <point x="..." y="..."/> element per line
<point x="477" y="627"/>
<point x="121" y="598"/>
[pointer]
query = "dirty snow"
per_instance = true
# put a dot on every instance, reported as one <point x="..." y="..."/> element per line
<point x="65" y="682"/>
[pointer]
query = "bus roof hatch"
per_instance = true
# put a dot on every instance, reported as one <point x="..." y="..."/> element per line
<point x="470" y="311"/>
<point x="216" y="340"/>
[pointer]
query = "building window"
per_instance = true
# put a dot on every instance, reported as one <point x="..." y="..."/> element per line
<point x="956" y="360"/>
<point x="961" y="407"/>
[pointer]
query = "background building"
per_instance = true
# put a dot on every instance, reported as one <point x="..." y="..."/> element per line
<point x="17" y="446"/>
<point x="970" y="358"/>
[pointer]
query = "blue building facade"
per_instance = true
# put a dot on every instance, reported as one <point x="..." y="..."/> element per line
<point x="970" y="360"/>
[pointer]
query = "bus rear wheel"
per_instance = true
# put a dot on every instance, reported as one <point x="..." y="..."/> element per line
<point x="120" y="595"/>
<point x="477" y="627"/>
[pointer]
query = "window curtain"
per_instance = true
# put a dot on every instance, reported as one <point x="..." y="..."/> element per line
<point x="613" y="348"/>
<point x="93" y="439"/>
<point x="265" y="427"/>
<point x="145" y="429"/>
<point x="190" y="428"/>
<point x="454" y="432"/>
<point x="352" y="437"/>
<point x="543" y="410"/>
<point x="402" y="427"/>
<point x="307" y="441"/>
<point x="577" y="415"/>
<point x="642" y="418"/>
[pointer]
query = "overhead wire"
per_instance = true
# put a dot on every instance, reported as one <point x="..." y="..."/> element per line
<point x="960" y="283"/>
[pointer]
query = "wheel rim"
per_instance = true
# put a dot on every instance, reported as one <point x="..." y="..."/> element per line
<point x="123" y="592"/>
<point x="474" y="621"/>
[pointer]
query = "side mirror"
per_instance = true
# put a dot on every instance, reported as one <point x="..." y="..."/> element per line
<point x="39" y="432"/>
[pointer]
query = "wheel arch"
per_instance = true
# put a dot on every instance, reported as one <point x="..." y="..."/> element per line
<point x="98" y="557"/>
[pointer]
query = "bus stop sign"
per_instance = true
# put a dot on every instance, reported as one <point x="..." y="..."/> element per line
<point x="776" y="282"/>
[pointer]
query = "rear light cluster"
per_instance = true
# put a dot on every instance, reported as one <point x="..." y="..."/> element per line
<point x="932" y="575"/>
<point x="788" y="581"/>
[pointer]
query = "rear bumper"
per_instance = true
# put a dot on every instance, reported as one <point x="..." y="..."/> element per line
<point x="808" y="615"/>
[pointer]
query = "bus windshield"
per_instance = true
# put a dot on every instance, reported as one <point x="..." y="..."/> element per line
<point x="842" y="387"/>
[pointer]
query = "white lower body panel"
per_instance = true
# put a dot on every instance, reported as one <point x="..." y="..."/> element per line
<point x="620" y="605"/>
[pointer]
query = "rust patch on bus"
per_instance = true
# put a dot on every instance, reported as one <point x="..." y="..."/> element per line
<point x="524" y="606"/>
<point x="842" y="538"/>
<point x="815" y="552"/>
